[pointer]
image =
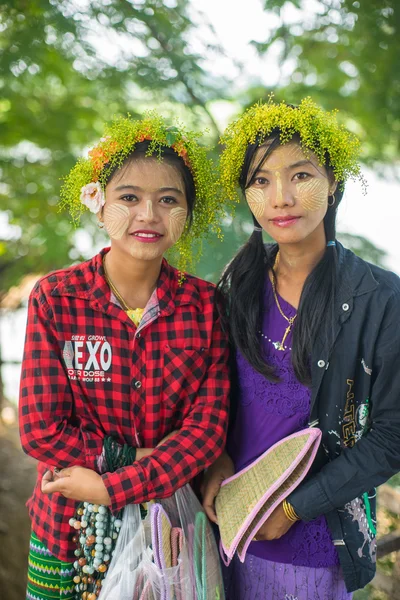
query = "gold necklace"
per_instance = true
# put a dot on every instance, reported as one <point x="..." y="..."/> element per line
<point x="290" y="320"/>
<point x="135" y="314"/>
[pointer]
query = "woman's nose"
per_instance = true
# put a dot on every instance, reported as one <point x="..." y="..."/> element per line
<point x="283" y="192"/>
<point x="147" y="212"/>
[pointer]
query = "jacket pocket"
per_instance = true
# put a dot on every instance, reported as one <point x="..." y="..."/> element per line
<point x="183" y="372"/>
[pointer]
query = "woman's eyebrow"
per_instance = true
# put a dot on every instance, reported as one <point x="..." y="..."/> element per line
<point x="300" y="163"/>
<point x="170" y="189"/>
<point x="127" y="187"/>
<point x="136" y="187"/>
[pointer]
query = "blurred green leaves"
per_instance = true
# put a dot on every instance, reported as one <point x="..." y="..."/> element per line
<point x="65" y="68"/>
<point x="68" y="66"/>
<point x="345" y="55"/>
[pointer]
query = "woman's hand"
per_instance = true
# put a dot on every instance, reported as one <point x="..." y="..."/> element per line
<point x="143" y="452"/>
<point x="77" y="483"/>
<point x="166" y="438"/>
<point x="275" y="526"/>
<point x="214" y="476"/>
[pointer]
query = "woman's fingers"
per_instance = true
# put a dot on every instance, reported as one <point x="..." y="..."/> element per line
<point x="60" y="473"/>
<point x="51" y="480"/>
<point x="49" y="485"/>
<point x="211" y="490"/>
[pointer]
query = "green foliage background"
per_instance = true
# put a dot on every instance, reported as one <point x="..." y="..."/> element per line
<point x="57" y="88"/>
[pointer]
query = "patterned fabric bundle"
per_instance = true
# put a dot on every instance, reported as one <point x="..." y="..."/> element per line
<point x="161" y="531"/>
<point x="48" y="577"/>
<point x="170" y="555"/>
<point x="247" y="499"/>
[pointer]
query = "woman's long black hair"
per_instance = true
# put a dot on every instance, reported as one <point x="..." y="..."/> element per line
<point x="243" y="284"/>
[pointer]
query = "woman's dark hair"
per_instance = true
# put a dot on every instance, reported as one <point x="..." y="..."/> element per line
<point x="170" y="157"/>
<point x="243" y="283"/>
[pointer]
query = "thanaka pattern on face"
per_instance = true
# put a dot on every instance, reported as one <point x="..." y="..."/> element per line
<point x="149" y="207"/>
<point x="279" y="192"/>
<point x="282" y="156"/>
<point x="313" y="194"/>
<point x="177" y="221"/>
<point x="116" y="220"/>
<point x="257" y="200"/>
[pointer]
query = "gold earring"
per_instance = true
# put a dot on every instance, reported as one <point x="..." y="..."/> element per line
<point x="100" y="224"/>
<point x="334" y="200"/>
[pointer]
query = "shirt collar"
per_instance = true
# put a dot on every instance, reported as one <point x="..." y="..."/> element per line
<point x="87" y="281"/>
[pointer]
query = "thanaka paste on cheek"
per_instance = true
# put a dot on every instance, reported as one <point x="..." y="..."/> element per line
<point x="313" y="194"/>
<point x="257" y="200"/>
<point x="116" y="220"/>
<point x="177" y="221"/>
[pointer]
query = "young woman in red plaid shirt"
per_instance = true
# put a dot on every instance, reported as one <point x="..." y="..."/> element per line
<point x="123" y="345"/>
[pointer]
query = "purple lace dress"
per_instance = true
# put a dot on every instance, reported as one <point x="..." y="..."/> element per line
<point x="303" y="564"/>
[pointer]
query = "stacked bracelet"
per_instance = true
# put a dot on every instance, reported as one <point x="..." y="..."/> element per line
<point x="289" y="511"/>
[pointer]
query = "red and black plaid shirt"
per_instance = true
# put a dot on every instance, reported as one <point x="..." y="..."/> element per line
<point x="88" y="372"/>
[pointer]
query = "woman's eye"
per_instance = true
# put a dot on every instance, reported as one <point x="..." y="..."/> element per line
<point x="302" y="176"/>
<point x="168" y="200"/>
<point x="260" y="181"/>
<point x="129" y="197"/>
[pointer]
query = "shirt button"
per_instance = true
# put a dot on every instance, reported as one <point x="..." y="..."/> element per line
<point x="137" y="336"/>
<point x="321" y="363"/>
<point x="345" y="307"/>
<point x="138" y="385"/>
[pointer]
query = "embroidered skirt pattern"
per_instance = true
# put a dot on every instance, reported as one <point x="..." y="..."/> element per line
<point x="48" y="577"/>
<point x="259" y="579"/>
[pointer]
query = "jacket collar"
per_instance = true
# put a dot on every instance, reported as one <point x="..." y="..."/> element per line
<point x="355" y="277"/>
<point x="87" y="280"/>
<point x="354" y="274"/>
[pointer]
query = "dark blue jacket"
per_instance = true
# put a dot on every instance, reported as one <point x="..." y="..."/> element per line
<point x="356" y="403"/>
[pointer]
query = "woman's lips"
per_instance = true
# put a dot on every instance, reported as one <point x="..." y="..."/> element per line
<point x="147" y="237"/>
<point x="285" y="221"/>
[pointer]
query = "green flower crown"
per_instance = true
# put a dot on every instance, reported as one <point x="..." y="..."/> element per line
<point x="120" y="139"/>
<point x="319" y="132"/>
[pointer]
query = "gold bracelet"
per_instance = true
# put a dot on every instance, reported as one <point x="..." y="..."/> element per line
<point x="289" y="511"/>
<point x="293" y="512"/>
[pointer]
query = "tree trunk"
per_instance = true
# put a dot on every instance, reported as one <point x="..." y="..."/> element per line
<point x="1" y="377"/>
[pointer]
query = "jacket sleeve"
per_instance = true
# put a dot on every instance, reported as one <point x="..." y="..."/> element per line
<point x="376" y="456"/>
<point x="198" y="444"/>
<point x="48" y="429"/>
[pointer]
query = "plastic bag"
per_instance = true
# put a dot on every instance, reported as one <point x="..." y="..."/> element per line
<point x="124" y="572"/>
<point x="170" y="555"/>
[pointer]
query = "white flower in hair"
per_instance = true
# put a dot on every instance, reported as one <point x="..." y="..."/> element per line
<point x="92" y="196"/>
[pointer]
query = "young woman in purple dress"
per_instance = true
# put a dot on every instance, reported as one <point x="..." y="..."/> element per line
<point x="312" y="325"/>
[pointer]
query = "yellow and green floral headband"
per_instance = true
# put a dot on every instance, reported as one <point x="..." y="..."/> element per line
<point x="84" y="187"/>
<point x="318" y="130"/>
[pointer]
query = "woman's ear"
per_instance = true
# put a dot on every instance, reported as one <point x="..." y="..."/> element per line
<point x="100" y="214"/>
<point x="100" y="219"/>
<point x="332" y="185"/>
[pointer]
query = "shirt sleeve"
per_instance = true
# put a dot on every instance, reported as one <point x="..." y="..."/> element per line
<point x="198" y="444"/>
<point x="49" y="432"/>
<point x="376" y="456"/>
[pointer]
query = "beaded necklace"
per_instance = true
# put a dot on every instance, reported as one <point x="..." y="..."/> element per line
<point x="135" y="314"/>
<point x="97" y="529"/>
